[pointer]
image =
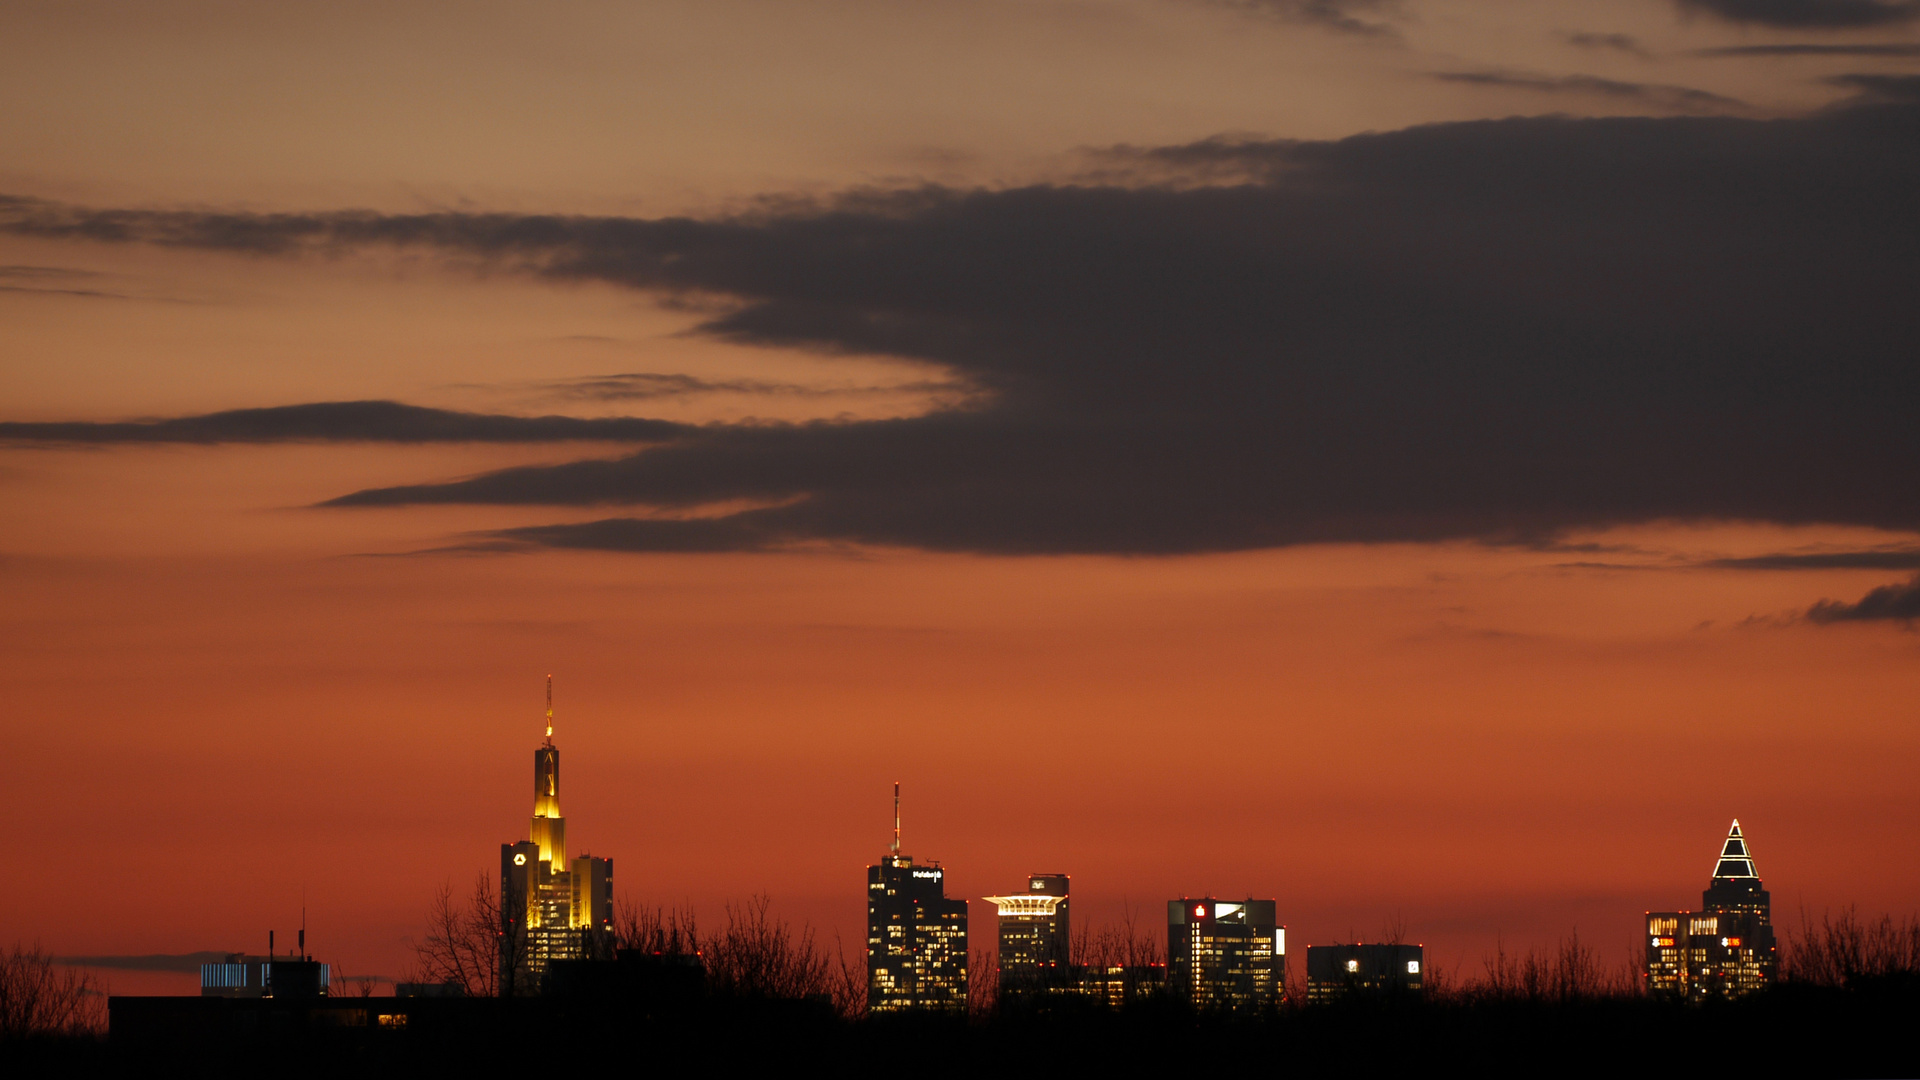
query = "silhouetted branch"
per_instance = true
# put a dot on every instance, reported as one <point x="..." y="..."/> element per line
<point x="37" y="1000"/>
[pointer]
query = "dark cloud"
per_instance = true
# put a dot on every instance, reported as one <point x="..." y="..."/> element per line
<point x="648" y="386"/>
<point x="344" y="421"/>
<point x="1498" y="330"/>
<point x="1888" y="603"/>
<point x="1876" y="559"/>
<point x="739" y="532"/>
<point x="1881" y="89"/>
<point x="1811" y="49"/>
<point x="1625" y="43"/>
<point x="57" y="280"/>
<point x="1666" y="98"/>
<point x="1809" y="14"/>
<point x="183" y="962"/>
<point x="1363" y="18"/>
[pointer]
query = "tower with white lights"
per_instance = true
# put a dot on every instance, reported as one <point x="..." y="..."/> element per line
<point x="1727" y="948"/>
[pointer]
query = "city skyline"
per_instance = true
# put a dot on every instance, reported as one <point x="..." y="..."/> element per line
<point x="1425" y="463"/>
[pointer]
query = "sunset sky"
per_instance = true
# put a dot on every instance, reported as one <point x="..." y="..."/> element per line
<point x="1431" y="463"/>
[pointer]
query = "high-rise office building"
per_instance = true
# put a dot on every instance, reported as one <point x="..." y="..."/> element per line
<point x="550" y="908"/>
<point x="1725" y="949"/>
<point x="1035" y="936"/>
<point x="1334" y="970"/>
<point x="1226" y="955"/>
<point x="916" y="937"/>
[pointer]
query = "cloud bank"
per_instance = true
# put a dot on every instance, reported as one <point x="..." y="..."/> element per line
<point x="1496" y="330"/>
<point x="345" y="421"/>
<point x="1888" y="603"/>
<point x="180" y="962"/>
<point x="1809" y="14"/>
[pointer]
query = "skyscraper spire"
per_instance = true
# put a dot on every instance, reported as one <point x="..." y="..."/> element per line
<point x="549" y="710"/>
<point x="1735" y="860"/>
<point x="896" y="818"/>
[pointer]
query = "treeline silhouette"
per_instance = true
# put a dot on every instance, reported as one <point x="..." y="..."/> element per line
<point x="776" y="996"/>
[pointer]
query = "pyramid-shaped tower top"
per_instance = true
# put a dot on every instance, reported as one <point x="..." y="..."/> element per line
<point x="1736" y="861"/>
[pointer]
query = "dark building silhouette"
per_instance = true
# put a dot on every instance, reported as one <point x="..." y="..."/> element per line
<point x="916" y="937"/>
<point x="244" y="976"/>
<point x="550" y="909"/>
<point x="1035" y="936"/>
<point x="1226" y="955"/>
<point x="1335" y="970"/>
<point x="1118" y="985"/>
<point x="1725" y="949"/>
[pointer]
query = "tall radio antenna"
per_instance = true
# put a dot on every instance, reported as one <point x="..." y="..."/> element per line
<point x="896" y="818"/>
<point x="549" y="708"/>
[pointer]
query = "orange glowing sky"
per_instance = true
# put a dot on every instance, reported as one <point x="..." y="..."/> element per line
<point x="224" y="702"/>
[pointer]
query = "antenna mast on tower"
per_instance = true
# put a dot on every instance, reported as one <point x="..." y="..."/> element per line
<point x="549" y="710"/>
<point x="896" y="818"/>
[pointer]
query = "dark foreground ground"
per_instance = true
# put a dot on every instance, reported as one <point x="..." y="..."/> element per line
<point x="1862" y="1032"/>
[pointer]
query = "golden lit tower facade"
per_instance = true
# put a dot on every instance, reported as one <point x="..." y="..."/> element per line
<point x="550" y="908"/>
<point x="1035" y="937"/>
<point x="1726" y="949"/>
<point x="916" y="936"/>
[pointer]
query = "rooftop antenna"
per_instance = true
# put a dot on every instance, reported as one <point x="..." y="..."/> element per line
<point x="303" y="930"/>
<point x="269" y="944"/>
<point x="549" y="710"/>
<point x="896" y="818"/>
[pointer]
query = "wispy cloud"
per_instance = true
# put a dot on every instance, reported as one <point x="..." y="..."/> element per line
<point x="1807" y="48"/>
<point x="56" y="280"/>
<point x="1622" y="43"/>
<point x="648" y="386"/>
<point x="343" y="421"/>
<point x="1869" y="559"/>
<point x="178" y="962"/>
<point x="1361" y="18"/>
<point x="1667" y="98"/>
<point x="1808" y="14"/>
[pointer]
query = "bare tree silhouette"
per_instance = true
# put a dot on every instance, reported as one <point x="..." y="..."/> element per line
<point x="1843" y="949"/>
<point x="465" y="945"/>
<point x="1570" y="971"/>
<point x="37" y="1000"/>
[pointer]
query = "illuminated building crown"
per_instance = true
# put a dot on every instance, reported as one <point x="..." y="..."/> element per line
<point x="1736" y="861"/>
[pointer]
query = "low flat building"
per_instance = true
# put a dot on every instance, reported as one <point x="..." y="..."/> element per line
<point x="243" y="976"/>
<point x="1335" y="971"/>
<point x="1119" y="985"/>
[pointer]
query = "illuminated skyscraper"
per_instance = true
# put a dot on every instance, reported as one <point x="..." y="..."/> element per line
<point x="1727" y="948"/>
<point x="916" y="937"/>
<point x="1034" y="936"/>
<point x="1224" y="955"/>
<point x="550" y="909"/>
